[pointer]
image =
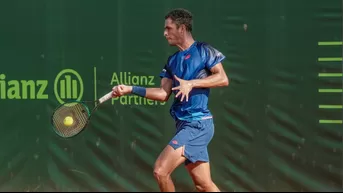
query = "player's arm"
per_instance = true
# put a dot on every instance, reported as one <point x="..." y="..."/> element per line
<point x="213" y="61"/>
<point x="159" y="94"/>
<point x="217" y="79"/>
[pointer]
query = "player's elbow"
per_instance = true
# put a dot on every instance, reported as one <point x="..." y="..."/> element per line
<point x="222" y="79"/>
<point x="225" y="81"/>
<point x="164" y="99"/>
<point x="163" y="96"/>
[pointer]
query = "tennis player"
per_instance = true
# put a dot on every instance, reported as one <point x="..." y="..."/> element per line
<point x="189" y="74"/>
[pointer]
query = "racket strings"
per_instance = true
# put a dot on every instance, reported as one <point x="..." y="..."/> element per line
<point x="79" y="114"/>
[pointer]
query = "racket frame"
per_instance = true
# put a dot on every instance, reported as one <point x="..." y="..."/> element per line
<point x="84" y="103"/>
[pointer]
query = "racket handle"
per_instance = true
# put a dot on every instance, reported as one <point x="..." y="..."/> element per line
<point x="105" y="97"/>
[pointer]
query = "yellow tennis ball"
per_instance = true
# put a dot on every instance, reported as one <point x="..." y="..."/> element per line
<point x="68" y="121"/>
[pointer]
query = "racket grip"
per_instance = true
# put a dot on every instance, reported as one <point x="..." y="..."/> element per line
<point x="105" y="97"/>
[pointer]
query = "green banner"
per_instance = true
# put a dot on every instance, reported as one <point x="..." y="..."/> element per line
<point x="278" y="126"/>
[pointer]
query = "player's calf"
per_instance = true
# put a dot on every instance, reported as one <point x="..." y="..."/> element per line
<point x="207" y="187"/>
<point x="201" y="176"/>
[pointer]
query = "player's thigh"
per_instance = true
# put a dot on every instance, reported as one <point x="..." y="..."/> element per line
<point x="200" y="173"/>
<point x="168" y="160"/>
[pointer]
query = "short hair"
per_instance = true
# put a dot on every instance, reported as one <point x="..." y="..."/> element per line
<point x="181" y="16"/>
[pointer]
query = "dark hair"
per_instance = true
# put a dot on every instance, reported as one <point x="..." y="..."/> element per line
<point x="181" y="16"/>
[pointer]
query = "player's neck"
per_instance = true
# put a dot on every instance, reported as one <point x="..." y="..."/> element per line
<point x="188" y="42"/>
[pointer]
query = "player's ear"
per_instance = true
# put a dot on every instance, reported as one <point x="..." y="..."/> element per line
<point x="183" y="28"/>
<point x="179" y="28"/>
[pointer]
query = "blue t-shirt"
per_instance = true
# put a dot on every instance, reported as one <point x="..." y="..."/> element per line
<point x="193" y="63"/>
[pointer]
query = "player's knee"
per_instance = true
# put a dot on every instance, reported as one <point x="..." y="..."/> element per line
<point x="160" y="173"/>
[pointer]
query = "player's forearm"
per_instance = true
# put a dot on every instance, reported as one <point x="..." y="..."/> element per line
<point x="157" y="94"/>
<point x="215" y="80"/>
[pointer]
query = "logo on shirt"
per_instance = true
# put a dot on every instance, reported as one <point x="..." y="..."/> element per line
<point x="187" y="57"/>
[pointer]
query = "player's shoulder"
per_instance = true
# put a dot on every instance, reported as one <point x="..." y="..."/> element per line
<point x="201" y="44"/>
<point x="172" y="57"/>
<point x="207" y="51"/>
<point x="205" y="47"/>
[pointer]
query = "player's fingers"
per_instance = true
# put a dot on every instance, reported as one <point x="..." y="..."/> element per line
<point x="117" y="91"/>
<point x="177" y="94"/>
<point x="120" y="89"/>
<point x="182" y="97"/>
<point x="176" y="88"/>
<point x="114" y="94"/>
<point x="177" y="78"/>
<point x="186" y="97"/>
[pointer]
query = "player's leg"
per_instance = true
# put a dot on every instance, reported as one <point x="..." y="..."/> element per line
<point x="201" y="176"/>
<point x="168" y="160"/>
<point x="173" y="155"/>
<point x="198" y="160"/>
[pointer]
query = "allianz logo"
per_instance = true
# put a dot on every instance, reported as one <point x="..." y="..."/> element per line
<point x="68" y="85"/>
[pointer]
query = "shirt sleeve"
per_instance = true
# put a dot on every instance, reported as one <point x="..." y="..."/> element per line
<point x="165" y="73"/>
<point x="212" y="56"/>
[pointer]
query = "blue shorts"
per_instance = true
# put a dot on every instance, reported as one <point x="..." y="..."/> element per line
<point x="194" y="137"/>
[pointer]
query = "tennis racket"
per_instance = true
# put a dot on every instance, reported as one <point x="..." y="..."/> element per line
<point x="71" y="117"/>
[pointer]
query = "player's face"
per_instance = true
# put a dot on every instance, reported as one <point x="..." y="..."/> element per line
<point x="172" y="33"/>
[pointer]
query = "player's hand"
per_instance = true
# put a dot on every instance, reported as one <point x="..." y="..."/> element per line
<point x="121" y="90"/>
<point x="184" y="88"/>
<point x="114" y="92"/>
